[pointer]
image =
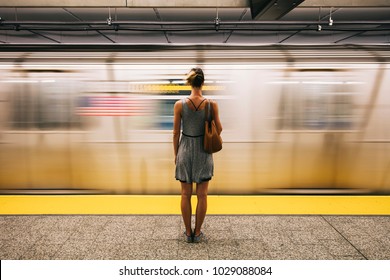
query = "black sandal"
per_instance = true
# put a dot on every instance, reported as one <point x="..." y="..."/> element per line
<point x="187" y="238"/>
<point x="198" y="238"/>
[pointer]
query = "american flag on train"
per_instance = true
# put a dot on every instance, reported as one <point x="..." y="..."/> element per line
<point x="112" y="106"/>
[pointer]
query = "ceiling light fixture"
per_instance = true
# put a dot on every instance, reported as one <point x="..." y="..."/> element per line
<point x="319" y="27"/>
<point x="109" y="19"/>
<point x="217" y="22"/>
<point x="330" y="18"/>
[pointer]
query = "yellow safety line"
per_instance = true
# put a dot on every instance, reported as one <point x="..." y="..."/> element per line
<point x="170" y="204"/>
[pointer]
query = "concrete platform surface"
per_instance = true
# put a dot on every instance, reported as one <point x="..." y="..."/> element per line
<point x="124" y="237"/>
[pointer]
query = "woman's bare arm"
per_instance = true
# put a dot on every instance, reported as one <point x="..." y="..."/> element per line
<point x="176" y="126"/>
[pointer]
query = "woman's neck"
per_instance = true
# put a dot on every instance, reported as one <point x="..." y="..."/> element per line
<point x="196" y="92"/>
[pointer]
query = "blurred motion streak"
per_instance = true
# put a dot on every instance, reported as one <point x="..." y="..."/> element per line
<point x="295" y="120"/>
<point x="111" y="106"/>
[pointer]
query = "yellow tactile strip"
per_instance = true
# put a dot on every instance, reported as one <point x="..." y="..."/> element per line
<point x="170" y="204"/>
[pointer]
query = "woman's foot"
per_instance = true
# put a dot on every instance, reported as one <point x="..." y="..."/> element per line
<point x="198" y="238"/>
<point x="187" y="238"/>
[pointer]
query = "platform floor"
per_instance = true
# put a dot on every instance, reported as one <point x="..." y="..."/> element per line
<point x="228" y="237"/>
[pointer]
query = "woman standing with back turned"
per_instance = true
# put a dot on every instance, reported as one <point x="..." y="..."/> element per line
<point x="193" y="164"/>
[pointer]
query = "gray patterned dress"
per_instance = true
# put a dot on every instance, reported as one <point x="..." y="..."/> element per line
<point x="193" y="164"/>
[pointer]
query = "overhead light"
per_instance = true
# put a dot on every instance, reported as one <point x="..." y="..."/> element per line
<point x="20" y="81"/>
<point x="315" y="82"/>
<point x="225" y="82"/>
<point x="283" y="82"/>
<point x="150" y="82"/>
<point x="319" y="27"/>
<point x="217" y="21"/>
<point x="178" y="82"/>
<point x="322" y="83"/>
<point x="354" y="83"/>
<point x="109" y="19"/>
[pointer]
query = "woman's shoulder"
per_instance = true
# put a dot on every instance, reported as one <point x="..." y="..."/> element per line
<point x="179" y="102"/>
<point x="178" y="105"/>
<point x="214" y="103"/>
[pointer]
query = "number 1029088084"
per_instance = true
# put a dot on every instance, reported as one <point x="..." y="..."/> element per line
<point x="231" y="270"/>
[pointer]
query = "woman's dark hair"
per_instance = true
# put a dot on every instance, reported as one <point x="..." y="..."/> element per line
<point x="195" y="78"/>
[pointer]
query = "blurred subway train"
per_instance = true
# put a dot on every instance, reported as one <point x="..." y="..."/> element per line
<point x="312" y="120"/>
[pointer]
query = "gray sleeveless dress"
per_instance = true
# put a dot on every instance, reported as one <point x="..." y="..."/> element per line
<point x="193" y="164"/>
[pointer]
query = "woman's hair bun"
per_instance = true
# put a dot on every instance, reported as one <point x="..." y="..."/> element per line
<point x="195" y="78"/>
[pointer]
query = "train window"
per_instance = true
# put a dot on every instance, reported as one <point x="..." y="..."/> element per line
<point x="313" y="106"/>
<point x="165" y="114"/>
<point x="43" y="106"/>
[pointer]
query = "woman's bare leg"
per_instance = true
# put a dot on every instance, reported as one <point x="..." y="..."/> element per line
<point x="201" y="207"/>
<point x="186" y="209"/>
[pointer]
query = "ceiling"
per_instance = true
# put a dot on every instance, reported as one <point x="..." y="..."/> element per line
<point x="89" y="25"/>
